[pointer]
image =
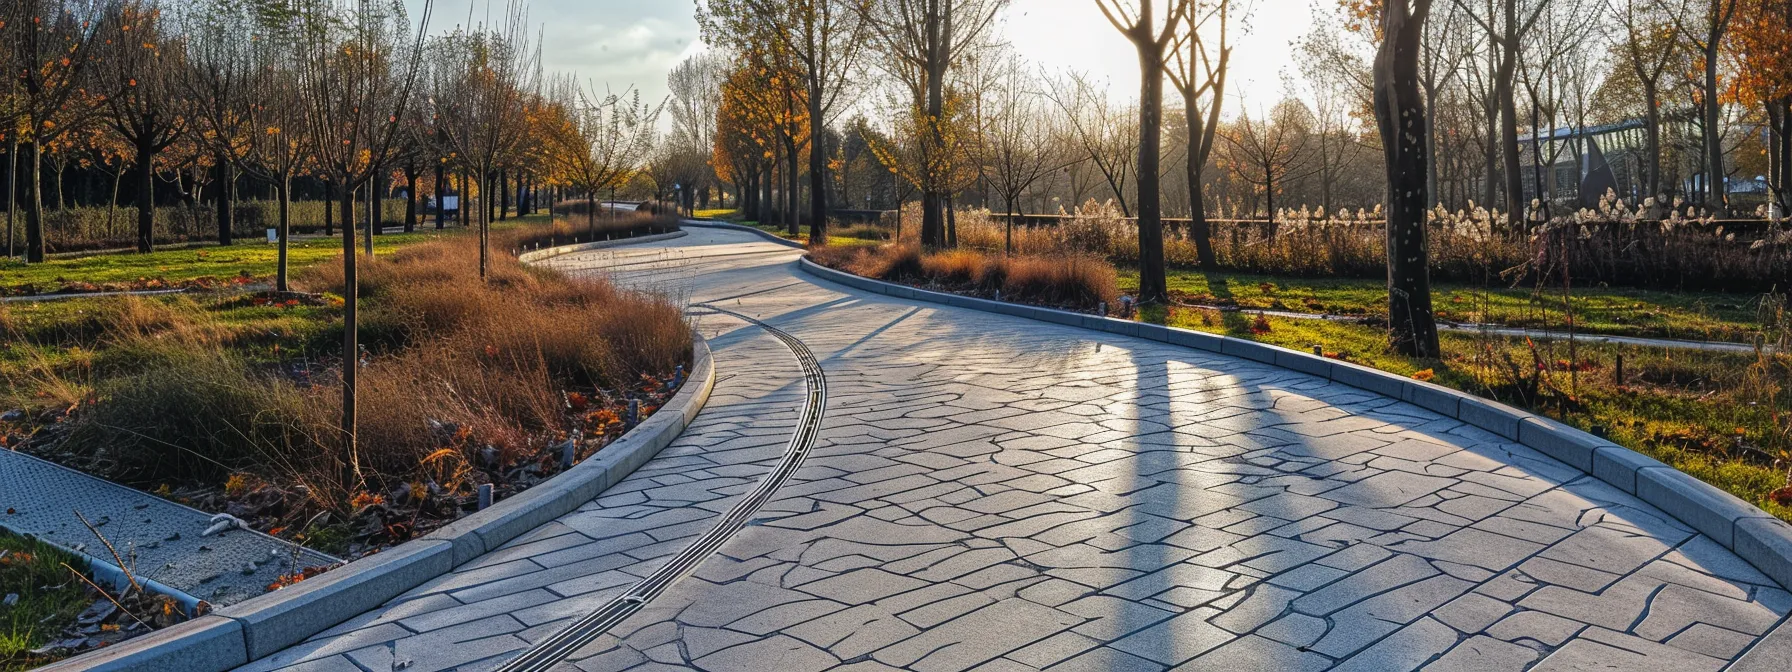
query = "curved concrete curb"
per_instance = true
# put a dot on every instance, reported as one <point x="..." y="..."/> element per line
<point x="538" y="255"/>
<point x="712" y="224"/>
<point x="1755" y="535"/>
<point x="260" y="626"/>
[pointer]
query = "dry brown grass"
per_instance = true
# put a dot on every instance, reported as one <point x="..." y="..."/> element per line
<point x="454" y="364"/>
<point x="1071" y="280"/>
<point x="1608" y="247"/>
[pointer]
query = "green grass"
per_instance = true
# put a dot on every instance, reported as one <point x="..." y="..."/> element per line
<point x="254" y="259"/>
<point x="1700" y="412"/>
<point x="1601" y="310"/>
<point x="49" y="599"/>
<point x="716" y="213"/>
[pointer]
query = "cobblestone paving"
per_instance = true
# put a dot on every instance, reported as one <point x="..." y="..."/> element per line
<point x="1000" y="494"/>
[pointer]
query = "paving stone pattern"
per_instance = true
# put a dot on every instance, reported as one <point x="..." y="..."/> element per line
<point x="1000" y="494"/>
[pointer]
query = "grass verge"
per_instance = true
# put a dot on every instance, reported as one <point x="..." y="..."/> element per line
<point x="1597" y="310"/>
<point x="229" y="400"/>
<point x="211" y="266"/>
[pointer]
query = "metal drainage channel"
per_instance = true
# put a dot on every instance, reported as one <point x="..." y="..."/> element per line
<point x="552" y="650"/>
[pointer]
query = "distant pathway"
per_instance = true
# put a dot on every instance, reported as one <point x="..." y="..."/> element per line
<point x="994" y="493"/>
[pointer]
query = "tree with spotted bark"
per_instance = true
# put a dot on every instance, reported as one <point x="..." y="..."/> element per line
<point x="1400" y="118"/>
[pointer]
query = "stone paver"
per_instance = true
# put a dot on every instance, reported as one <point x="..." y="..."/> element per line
<point x="994" y="493"/>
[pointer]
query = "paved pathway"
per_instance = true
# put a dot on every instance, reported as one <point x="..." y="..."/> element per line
<point x="158" y="540"/>
<point x="1000" y="494"/>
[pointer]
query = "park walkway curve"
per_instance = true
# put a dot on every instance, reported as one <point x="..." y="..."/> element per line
<point x="994" y="493"/>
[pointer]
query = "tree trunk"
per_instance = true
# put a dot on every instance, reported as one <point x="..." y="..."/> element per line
<point x="330" y="208"/>
<point x="34" y="210"/>
<point x="1431" y="171"/>
<point x="818" y="172"/>
<point x="12" y="188"/>
<point x="1503" y="89"/>
<point x="1399" y="115"/>
<point x="146" y="202"/>
<point x="284" y="192"/>
<point x="226" y="216"/>
<point x="440" y="189"/>
<point x="1153" y="287"/>
<point x="503" y="195"/>
<point x="410" y="199"/>
<point x="1652" y="144"/>
<point x="1714" y="144"/>
<point x="351" y="347"/>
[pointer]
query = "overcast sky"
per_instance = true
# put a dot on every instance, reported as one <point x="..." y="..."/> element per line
<point x="622" y="43"/>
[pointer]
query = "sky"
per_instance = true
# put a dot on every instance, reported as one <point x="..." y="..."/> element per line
<point x="624" y="43"/>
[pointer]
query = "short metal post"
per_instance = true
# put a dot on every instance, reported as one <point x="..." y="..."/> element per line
<point x="634" y="412"/>
<point x="485" y="496"/>
<point x="569" y="451"/>
<point x="1618" y="370"/>
<point x="1101" y="308"/>
<point x="678" y="376"/>
<point x="1318" y="351"/>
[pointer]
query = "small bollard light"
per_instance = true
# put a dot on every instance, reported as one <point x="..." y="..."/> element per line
<point x="634" y="412"/>
<point x="1101" y="308"/>
<point x="1318" y="351"/>
<point x="569" y="451"/>
<point x="1618" y="370"/>
<point x="485" y="496"/>
<point x="678" y="376"/>
<point x="1126" y="306"/>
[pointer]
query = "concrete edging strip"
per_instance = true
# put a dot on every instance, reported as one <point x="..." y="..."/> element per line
<point x="538" y="255"/>
<point x="712" y="224"/>
<point x="262" y="625"/>
<point x="1753" y="534"/>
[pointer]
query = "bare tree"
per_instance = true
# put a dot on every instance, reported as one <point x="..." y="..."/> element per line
<point x="605" y="139"/>
<point x="489" y="71"/>
<point x="52" y="43"/>
<point x="1107" y="134"/>
<point x="1704" y="24"/>
<point x="1199" y="71"/>
<point x="1151" y="40"/>
<point x="1647" y="52"/>
<point x="141" y="79"/>
<point x="1505" y="24"/>
<point x="922" y="40"/>
<point x="696" y="87"/>
<point x="1014" y="147"/>
<point x="1269" y="150"/>
<point x="358" y="62"/>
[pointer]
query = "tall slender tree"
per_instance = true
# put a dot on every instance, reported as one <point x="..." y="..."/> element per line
<point x="1151" y="39"/>
<point x="1200" y="63"/>
<point x="53" y="44"/>
<point x="1400" y="118"/>
<point x="142" y="84"/>
<point x="358" y="62"/>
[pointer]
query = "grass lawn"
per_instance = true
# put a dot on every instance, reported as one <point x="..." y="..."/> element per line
<point x="254" y="259"/>
<point x="716" y="213"/>
<point x="49" y="598"/>
<point x="1624" y="312"/>
<point x="1717" y="416"/>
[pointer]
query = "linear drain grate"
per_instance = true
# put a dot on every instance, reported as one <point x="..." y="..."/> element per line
<point x="556" y="648"/>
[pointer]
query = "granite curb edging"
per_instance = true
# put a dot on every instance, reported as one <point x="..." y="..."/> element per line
<point x="257" y="627"/>
<point x="1755" y="535"/>
<point x="538" y="255"/>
